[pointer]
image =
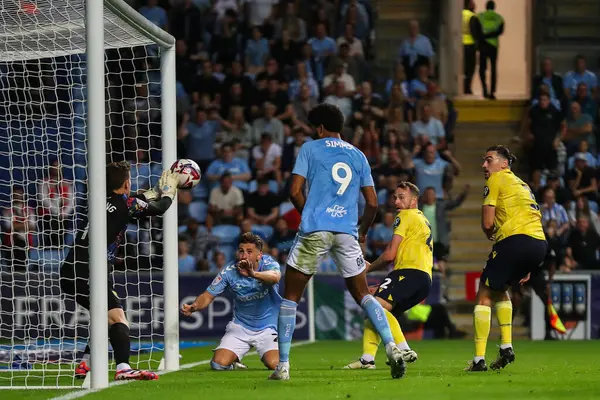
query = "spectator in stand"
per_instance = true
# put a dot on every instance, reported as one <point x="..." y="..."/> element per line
<point x="221" y="6"/>
<point x="18" y="227"/>
<point x="355" y="14"/>
<point x="237" y="75"/>
<point x="398" y="163"/>
<point x="182" y="18"/>
<point x="292" y="23"/>
<point x="198" y="137"/>
<point x="582" y="179"/>
<point x="395" y="123"/>
<point x="282" y="240"/>
<point x="351" y="66"/>
<point x="235" y="97"/>
<point x="227" y="38"/>
<point x="431" y="169"/>
<point x="236" y="167"/>
<point x="237" y="132"/>
<point x="155" y="14"/>
<point x="389" y="188"/>
<point x="200" y="241"/>
<point x="551" y="211"/>
<point x="56" y="203"/>
<point x="428" y="129"/>
<point x="219" y="261"/>
<point x="225" y="204"/>
<point x="286" y="50"/>
<point x="582" y="208"/>
<point x="366" y="139"/>
<point x="586" y="103"/>
<point x="416" y="51"/>
<point x="545" y="89"/>
<point x="184" y="199"/>
<point x="185" y="67"/>
<point x="418" y="85"/>
<point x="322" y="11"/>
<point x="382" y="235"/>
<point x="584" y="244"/>
<point x="259" y="12"/>
<point x="291" y="150"/>
<point x="562" y="194"/>
<point x="543" y="129"/>
<point x="301" y="107"/>
<point x="552" y="80"/>
<point x="397" y="100"/>
<point x="398" y="78"/>
<point x="278" y="97"/>
<point x="355" y="45"/>
<point x="303" y="78"/>
<point x="584" y="148"/>
<point x="578" y="75"/>
<point x="366" y="104"/>
<point x="267" y="156"/>
<point x="257" y="51"/>
<point x="579" y="127"/>
<point x="271" y="71"/>
<point x="339" y="75"/>
<point x="437" y="101"/>
<point x="340" y="99"/>
<point x="323" y="47"/>
<point x="268" y="124"/>
<point x="207" y="83"/>
<point x="263" y="205"/>
<point x="187" y="262"/>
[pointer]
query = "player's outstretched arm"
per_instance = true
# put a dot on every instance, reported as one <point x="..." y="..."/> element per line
<point x="200" y="303"/>
<point x="388" y="255"/>
<point x="268" y="277"/>
<point x="369" y="213"/>
<point x="160" y="197"/>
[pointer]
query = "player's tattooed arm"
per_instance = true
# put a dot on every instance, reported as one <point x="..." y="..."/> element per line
<point x="200" y="303"/>
<point x="388" y="255"/>
<point x="297" y="192"/>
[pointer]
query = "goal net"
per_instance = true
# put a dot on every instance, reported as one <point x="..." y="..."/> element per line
<point x="44" y="182"/>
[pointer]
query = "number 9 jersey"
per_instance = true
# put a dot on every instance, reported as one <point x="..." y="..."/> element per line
<point x="335" y="171"/>
<point x="517" y="212"/>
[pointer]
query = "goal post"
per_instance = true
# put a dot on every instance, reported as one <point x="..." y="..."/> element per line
<point x="63" y="103"/>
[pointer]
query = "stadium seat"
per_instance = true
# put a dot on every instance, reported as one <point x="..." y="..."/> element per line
<point x="273" y="186"/>
<point x="183" y="229"/>
<point x="229" y="251"/>
<point x="200" y="191"/>
<point x="198" y="210"/>
<point x="49" y="260"/>
<point x="264" y="231"/>
<point x="227" y="234"/>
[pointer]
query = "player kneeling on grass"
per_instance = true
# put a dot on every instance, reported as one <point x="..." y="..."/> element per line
<point x="121" y="208"/>
<point x="254" y="281"/>
<point x="411" y="250"/>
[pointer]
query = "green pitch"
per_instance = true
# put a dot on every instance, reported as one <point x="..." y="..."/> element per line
<point x="543" y="370"/>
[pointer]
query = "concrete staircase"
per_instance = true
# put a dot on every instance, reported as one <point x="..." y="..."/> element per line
<point x="474" y="133"/>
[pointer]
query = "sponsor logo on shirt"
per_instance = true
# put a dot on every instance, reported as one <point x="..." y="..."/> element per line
<point x="336" y="211"/>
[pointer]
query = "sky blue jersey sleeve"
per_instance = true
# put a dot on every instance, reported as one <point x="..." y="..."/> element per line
<point x="269" y="264"/>
<point x="301" y="166"/>
<point x="221" y="281"/>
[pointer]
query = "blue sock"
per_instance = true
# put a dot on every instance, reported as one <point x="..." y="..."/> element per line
<point x="376" y="315"/>
<point x="285" y="326"/>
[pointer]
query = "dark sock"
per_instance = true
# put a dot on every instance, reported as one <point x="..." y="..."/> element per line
<point x="119" y="339"/>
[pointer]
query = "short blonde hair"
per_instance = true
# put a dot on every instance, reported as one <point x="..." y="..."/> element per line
<point x="410" y="186"/>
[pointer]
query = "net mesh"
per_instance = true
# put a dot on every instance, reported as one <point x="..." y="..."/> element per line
<point x="43" y="185"/>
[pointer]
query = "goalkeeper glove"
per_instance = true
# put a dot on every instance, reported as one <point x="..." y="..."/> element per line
<point x="167" y="184"/>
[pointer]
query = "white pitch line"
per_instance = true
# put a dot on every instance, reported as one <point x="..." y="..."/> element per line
<point x="82" y="393"/>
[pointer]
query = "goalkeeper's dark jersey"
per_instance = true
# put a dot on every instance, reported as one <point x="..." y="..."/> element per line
<point x="120" y="210"/>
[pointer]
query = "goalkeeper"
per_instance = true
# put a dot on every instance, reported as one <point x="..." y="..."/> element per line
<point x="121" y="208"/>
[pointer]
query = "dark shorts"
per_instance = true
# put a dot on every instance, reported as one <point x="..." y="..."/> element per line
<point x="511" y="260"/>
<point x="74" y="283"/>
<point x="404" y="289"/>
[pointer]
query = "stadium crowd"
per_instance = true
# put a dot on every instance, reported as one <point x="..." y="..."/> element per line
<point x="560" y="133"/>
<point x="248" y="72"/>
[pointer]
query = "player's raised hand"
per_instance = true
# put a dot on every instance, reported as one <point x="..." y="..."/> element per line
<point x="167" y="184"/>
<point x="188" y="309"/>
<point x="244" y="267"/>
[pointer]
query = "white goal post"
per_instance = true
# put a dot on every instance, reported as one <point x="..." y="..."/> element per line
<point x="44" y="33"/>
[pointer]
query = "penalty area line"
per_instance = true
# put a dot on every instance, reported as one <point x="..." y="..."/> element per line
<point x="85" y="392"/>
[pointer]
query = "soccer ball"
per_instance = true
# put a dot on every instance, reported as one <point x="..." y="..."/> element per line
<point x="188" y="171"/>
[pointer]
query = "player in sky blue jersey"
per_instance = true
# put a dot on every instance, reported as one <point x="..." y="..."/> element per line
<point x="334" y="173"/>
<point x="254" y="280"/>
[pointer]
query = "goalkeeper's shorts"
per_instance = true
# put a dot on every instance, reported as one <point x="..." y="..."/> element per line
<point x="74" y="283"/>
